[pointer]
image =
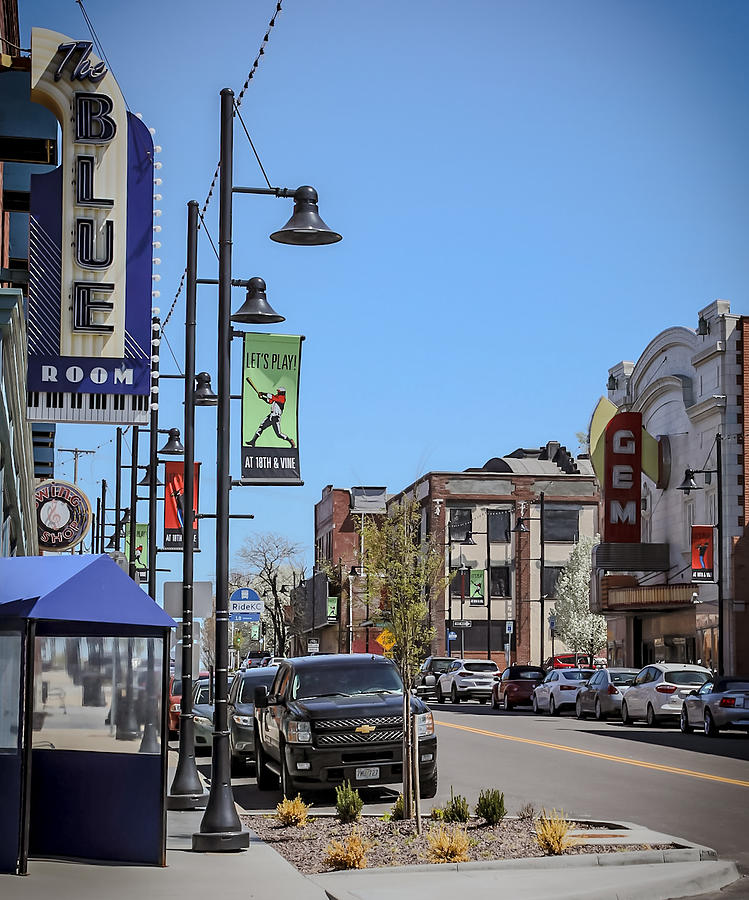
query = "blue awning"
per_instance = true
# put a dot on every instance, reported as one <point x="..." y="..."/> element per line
<point x="75" y="589"/>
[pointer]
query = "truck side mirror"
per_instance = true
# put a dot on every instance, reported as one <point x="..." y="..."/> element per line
<point x="261" y="697"/>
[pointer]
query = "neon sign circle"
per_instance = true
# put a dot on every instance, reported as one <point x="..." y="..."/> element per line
<point x="63" y="515"/>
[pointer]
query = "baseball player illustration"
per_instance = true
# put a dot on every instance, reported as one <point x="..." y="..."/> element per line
<point x="277" y="401"/>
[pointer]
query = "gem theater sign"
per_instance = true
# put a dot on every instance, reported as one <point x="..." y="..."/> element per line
<point x="90" y="246"/>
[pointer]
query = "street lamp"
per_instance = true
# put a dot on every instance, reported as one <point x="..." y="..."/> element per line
<point x="520" y="528"/>
<point x="220" y="828"/>
<point x="688" y="485"/>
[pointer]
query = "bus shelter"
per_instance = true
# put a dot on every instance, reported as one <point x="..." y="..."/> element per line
<point x="84" y="667"/>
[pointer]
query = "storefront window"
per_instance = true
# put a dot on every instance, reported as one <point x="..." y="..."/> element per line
<point x="97" y="693"/>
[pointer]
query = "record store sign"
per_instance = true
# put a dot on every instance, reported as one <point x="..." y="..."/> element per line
<point x="90" y="232"/>
<point x="63" y="515"/>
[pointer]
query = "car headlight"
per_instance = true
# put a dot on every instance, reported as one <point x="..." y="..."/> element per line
<point x="202" y="720"/>
<point x="298" y="732"/>
<point x="424" y="724"/>
<point x="175" y="707"/>
<point x="243" y="720"/>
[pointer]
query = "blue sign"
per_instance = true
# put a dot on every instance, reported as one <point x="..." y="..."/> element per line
<point x="452" y="635"/>
<point x="244" y="617"/>
<point x="245" y="600"/>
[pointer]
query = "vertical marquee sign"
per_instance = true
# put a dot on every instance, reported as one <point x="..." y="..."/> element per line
<point x="270" y="408"/>
<point x="703" y="553"/>
<point x="90" y="245"/>
<point x="622" y="479"/>
<point x="174" y="504"/>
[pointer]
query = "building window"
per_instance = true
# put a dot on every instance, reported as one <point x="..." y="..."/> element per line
<point x="551" y="574"/>
<point x="498" y="525"/>
<point x="562" y="525"/>
<point x="461" y="523"/>
<point x="499" y="581"/>
<point x="460" y="583"/>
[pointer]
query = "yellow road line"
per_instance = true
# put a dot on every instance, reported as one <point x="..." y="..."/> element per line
<point x="607" y="756"/>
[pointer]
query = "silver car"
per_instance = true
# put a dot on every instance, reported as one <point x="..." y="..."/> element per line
<point x="558" y="689"/>
<point x="722" y="703"/>
<point x="602" y="694"/>
<point x="659" y="690"/>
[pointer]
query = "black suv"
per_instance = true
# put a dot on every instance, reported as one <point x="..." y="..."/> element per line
<point x="328" y="719"/>
<point x="242" y="715"/>
<point x="429" y="673"/>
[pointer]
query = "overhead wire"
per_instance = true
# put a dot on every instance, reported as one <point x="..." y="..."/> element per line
<point x="99" y="46"/>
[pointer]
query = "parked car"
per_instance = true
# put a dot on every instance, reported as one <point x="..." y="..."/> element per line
<point x="722" y="703"/>
<point x="659" y="690"/>
<point x="202" y="710"/>
<point x="558" y="689"/>
<point x="467" y="679"/>
<point x="271" y="661"/>
<point x="242" y="714"/>
<point x="515" y="686"/>
<point x="426" y="678"/>
<point x="602" y="694"/>
<point x="567" y="661"/>
<point x="336" y="718"/>
<point x="175" y="693"/>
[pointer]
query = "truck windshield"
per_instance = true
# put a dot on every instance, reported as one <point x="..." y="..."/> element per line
<point x="344" y="680"/>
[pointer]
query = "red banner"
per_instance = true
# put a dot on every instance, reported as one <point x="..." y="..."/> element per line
<point x="174" y="493"/>
<point x="622" y="479"/>
<point x="703" y="553"/>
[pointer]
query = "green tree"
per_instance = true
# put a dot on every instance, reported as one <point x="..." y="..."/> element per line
<point x="580" y="629"/>
<point x="404" y="566"/>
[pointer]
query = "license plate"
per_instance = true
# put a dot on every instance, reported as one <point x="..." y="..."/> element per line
<point x="371" y="772"/>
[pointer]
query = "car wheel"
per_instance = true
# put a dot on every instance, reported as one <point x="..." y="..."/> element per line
<point x="507" y="705"/>
<point x="626" y="718"/>
<point x="440" y="695"/>
<point x="650" y="716"/>
<point x="428" y="788"/>
<point x="711" y="729"/>
<point x="454" y="694"/>
<point x="495" y="702"/>
<point x="536" y="710"/>
<point x="553" y="711"/>
<point x="579" y="709"/>
<point x="266" y="780"/>
<point x="287" y="783"/>
<point x="684" y="725"/>
<point x="598" y="711"/>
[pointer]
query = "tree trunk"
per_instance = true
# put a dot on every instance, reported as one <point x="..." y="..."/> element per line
<point x="407" y="792"/>
<point x="415" y="773"/>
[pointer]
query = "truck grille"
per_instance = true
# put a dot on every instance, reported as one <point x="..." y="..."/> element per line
<point x="389" y="735"/>
<point x="350" y="724"/>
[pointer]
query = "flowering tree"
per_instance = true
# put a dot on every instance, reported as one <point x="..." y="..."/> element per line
<point x="580" y="629"/>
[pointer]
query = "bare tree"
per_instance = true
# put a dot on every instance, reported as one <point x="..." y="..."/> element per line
<point x="270" y="561"/>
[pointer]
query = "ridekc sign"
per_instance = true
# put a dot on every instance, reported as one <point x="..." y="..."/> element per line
<point x="622" y="479"/>
<point x="90" y="232"/>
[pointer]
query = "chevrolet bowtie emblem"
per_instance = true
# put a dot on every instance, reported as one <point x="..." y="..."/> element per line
<point x="364" y="729"/>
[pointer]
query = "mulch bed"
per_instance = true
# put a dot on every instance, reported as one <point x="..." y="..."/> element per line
<point x="397" y="844"/>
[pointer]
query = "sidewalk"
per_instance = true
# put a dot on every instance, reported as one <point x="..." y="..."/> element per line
<point x="261" y="873"/>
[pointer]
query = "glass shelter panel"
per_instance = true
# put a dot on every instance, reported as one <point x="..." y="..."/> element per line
<point x="97" y="693"/>
<point x="10" y="689"/>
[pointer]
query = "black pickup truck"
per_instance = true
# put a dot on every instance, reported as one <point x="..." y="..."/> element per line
<point x="328" y="719"/>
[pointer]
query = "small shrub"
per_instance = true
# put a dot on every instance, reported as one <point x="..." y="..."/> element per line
<point x="348" y="803"/>
<point x="456" y="809"/>
<point x="552" y="832"/>
<point x="527" y="812"/>
<point x="491" y="806"/>
<point x="448" y="844"/>
<point x="437" y="814"/>
<point x="349" y="854"/>
<point x="398" y="811"/>
<point x="293" y="812"/>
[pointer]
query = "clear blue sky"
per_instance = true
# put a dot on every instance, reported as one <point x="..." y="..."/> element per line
<point x="528" y="193"/>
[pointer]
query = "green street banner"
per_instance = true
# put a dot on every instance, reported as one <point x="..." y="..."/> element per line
<point x="476" y="595"/>
<point x="270" y="408"/>
<point x="141" y="551"/>
<point x="332" y="609"/>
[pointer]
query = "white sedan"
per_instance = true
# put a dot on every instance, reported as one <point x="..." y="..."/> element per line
<point x="558" y="689"/>
<point x="658" y="691"/>
<point x="467" y="679"/>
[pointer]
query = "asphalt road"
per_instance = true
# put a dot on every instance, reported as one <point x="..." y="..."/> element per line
<point x="687" y="785"/>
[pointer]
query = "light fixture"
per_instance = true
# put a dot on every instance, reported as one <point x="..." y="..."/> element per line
<point x="256" y="309"/>
<point x="703" y="326"/>
<point x="611" y="383"/>
<point x="305" y="227"/>
<point x="468" y="539"/>
<point x="146" y="480"/>
<point x="203" y="394"/>
<point x="689" y="484"/>
<point x="173" y="445"/>
<point x="519" y="527"/>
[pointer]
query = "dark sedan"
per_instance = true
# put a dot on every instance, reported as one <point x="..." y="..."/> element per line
<point x="515" y="686"/>
<point x="202" y="710"/>
<point x="241" y="714"/>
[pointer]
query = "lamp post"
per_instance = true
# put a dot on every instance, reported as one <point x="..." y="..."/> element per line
<point x="689" y="484"/>
<point x="521" y="529"/>
<point x="220" y="828"/>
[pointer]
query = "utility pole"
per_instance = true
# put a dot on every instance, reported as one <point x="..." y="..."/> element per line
<point x="76" y="453"/>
